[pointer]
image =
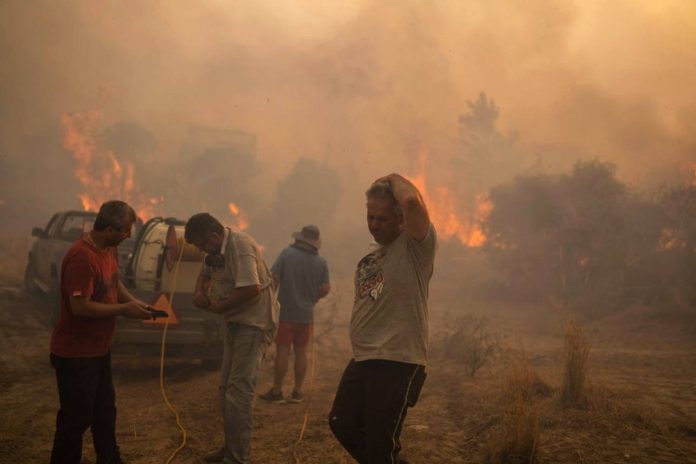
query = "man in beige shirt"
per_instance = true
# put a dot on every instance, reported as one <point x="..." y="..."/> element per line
<point x="389" y="324"/>
<point x="235" y="282"/>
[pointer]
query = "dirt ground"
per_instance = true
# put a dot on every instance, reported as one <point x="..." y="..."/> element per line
<point x="641" y="403"/>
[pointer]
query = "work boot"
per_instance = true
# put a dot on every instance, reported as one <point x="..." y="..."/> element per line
<point x="216" y="456"/>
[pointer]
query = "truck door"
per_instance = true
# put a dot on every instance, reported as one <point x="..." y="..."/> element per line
<point x="66" y="234"/>
<point x="42" y="250"/>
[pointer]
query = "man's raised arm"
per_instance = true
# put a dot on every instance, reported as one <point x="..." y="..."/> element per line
<point x="409" y="199"/>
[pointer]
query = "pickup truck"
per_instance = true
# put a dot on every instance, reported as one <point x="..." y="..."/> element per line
<point x="157" y="266"/>
<point x="162" y="271"/>
<point x="42" y="274"/>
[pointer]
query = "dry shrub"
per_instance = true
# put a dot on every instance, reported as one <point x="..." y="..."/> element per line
<point x="623" y="409"/>
<point x="517" y="442"/>
<point x="573" y="391"/>
<point x="468" y="341"/>
<point x="522" y="381"/>
<point x="13" y="256"/>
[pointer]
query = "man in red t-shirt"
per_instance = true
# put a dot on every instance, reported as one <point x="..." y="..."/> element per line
<point x="91" y="296"/>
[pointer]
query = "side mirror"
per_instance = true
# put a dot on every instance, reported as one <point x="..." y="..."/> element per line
<point x="38" y="232"/>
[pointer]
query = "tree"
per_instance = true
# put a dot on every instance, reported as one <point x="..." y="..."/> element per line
<point x="310" y="194"/>
<point x="487" y="156"/>
<point x="678" y="243"/>
<point x="574" y="238"/>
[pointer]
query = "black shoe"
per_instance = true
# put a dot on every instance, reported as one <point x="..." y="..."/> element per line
<point x="271" y="397"/>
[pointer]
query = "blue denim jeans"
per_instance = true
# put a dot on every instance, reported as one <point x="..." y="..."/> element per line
<point x="245" y="347"/>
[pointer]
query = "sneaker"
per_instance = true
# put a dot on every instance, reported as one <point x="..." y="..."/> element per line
<point x="271" y="397"/>
<point x="296" y="397"/>
<point x="216" y="456"/>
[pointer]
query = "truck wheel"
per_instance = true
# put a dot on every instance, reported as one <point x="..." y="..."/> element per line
<point x="29" y="284"/>
<point x="211" y="364"/>
<point x="54" y="302"/>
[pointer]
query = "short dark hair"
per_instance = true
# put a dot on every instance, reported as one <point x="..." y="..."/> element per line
<point x="383" y="190"/>
<point x="200" y="226"/>
<point x="116" y="214"/>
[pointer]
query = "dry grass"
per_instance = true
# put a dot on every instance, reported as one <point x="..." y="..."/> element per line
<point x="13" y="256"/>
<point x="518" y="439"/>
<point x="468" y="341"/>
<point x="574" y="389"/>
<point x="522" y="381"/>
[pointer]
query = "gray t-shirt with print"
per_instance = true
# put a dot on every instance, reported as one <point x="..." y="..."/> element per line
<point x="245" y="266"/>
<point x="390" y="310"/>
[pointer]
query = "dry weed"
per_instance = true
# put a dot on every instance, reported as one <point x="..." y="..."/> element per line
<point x="524" y="382"/>
<point x="468" y="341"/>
<point x="573" y="391"/>
<point x="13" y="256"/>
<point x="518" y="440"/>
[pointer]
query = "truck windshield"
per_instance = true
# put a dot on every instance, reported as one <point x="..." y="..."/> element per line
<point x="75" y="226"/>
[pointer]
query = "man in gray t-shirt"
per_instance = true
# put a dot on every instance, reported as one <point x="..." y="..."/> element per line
<point x="302" y="278"/>
<point x="388" y="326"/>
<point x="235" y="282"/>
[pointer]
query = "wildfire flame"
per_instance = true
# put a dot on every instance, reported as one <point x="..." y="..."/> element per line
<point x="239" y="216"/>
<point x="102" y="175"/>
<point x="442" y="207"/>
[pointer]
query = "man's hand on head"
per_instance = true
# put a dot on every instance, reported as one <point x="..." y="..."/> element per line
<point x="384" y="180"/>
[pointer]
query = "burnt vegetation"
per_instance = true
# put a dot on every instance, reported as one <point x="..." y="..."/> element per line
<point x="585" y="241"/>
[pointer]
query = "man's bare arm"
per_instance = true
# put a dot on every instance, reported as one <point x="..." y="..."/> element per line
<point x="239" y="296"/>
<point x="324" y="290"/>
<point x="409" y="199"/>
<point x="124" y="296"/>
<point x="200" y="296"/>
<point x="84" y="307"/>
<point x="202" y="283"/>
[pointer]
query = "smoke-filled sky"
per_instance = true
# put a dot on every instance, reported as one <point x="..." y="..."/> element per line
<point x="364" y="86"/>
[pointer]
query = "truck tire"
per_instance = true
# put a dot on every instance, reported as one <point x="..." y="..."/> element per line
<point x="211" y="364"/>
<point x="53" y="302"/>
<point x="29" y="284"/>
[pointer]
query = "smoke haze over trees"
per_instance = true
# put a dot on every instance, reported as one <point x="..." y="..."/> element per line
<point x="584" y="240"/>
<point x="361" y="88"/>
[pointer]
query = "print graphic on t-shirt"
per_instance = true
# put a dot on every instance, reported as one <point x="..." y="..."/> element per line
<point x="369" y="279"/>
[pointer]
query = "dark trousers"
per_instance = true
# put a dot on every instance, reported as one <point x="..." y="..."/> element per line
<point x="87" y="399"/>
<point x="370" y="408"/>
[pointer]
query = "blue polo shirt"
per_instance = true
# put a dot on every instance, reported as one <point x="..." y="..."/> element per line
<point x="301" y="272"/>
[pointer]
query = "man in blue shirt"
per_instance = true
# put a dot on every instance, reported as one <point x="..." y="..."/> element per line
<point x="302" y="278"/>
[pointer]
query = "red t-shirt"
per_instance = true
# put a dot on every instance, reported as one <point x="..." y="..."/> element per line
<point x="86" y="271"/>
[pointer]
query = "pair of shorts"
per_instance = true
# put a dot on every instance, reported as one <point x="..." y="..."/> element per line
<point x="293" y="333"/>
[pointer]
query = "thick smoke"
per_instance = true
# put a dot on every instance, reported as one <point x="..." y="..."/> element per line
<point x="362" y="88"/>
